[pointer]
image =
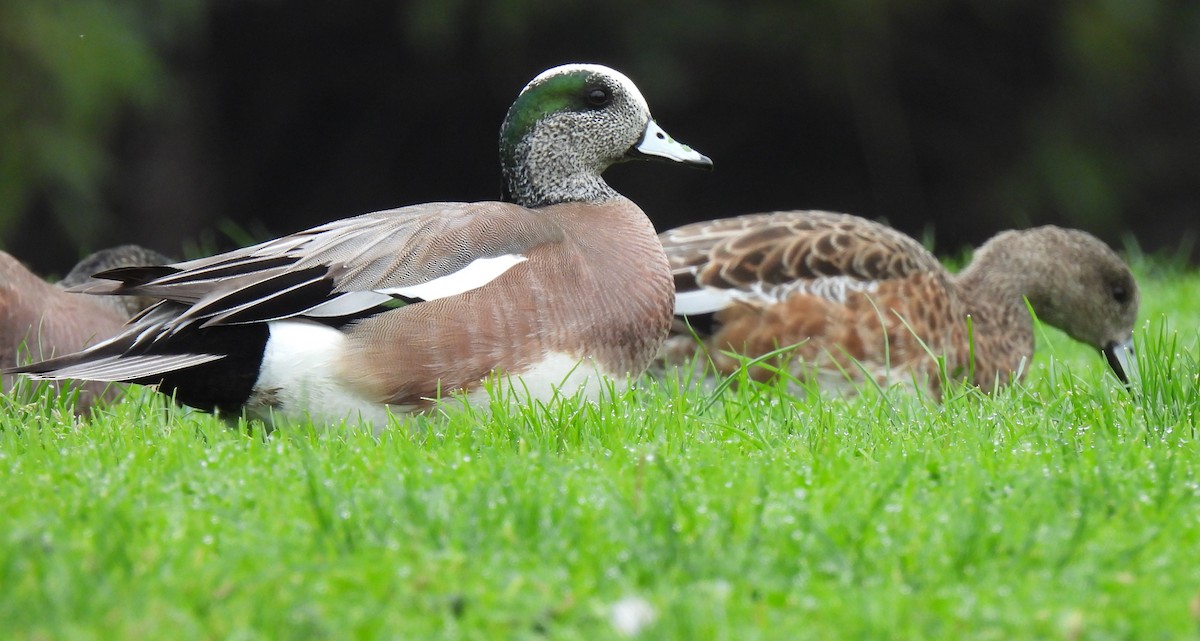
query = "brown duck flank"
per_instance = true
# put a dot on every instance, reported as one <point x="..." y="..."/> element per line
<point x="858" y="298"/>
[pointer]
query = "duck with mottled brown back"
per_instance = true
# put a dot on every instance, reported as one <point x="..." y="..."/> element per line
<point x="560" y="285"/>
<point x="857" y="299"/>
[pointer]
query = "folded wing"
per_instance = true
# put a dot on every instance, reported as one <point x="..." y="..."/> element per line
<point x="332" y="273"/>
<point x="764" y="258"/>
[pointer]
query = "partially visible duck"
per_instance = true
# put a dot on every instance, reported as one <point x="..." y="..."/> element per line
<point x="562" y="284"/>
<point x="82" y="275"/>
<point x="39" y="320"/>
<point x="858" y="299"/>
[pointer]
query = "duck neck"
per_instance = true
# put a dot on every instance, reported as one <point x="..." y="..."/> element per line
<point x="538" y="175"/>
<point x="994" y="289"/>
<point x="985" y="291"/>
<point x="1010" y="268"/>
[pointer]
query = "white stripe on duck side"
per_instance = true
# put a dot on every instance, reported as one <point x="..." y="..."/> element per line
<point x="711" y="299"/>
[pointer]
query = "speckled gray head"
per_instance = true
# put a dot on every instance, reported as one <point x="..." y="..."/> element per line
<point x="568" y="125"/>
<point x="1075" y="282"/>
<point x="1099" y="294"/>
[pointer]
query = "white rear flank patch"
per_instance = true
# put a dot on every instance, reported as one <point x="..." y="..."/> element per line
<point x="480" y="272"/>
<point x="299" y="378"/>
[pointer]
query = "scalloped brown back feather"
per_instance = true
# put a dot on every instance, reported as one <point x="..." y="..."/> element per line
<point x="784" y="247"/>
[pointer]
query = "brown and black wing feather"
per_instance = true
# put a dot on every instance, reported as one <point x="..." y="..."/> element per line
<point x="750" y="257"/>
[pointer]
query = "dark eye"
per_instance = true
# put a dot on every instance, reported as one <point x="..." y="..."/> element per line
<point x="1120" y="294"/>
<point x="598" y="96"/>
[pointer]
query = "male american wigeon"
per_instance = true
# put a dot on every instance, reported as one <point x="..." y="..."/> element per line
<point x="858" y="298"/>
<point x="563" y="282"/>
<point x="39" y="320"/>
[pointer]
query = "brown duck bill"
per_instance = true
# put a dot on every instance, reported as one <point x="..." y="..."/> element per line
<point x="1122" y="359"/>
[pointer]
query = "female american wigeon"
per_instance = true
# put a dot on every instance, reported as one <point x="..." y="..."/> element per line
<point x="859" y="299"/>
<point x="39" y="320"/>
<point x="561" y="283"/>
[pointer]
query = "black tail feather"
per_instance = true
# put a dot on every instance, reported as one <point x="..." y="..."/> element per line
<point x="222" y="383"/>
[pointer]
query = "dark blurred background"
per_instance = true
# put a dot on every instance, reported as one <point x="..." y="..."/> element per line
<point x="171" y="122"/>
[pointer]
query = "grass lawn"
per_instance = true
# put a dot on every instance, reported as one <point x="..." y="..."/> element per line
<point x="1064" y="508"/>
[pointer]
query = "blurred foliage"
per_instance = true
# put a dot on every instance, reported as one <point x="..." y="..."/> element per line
<point x="1079" y="112"/>
<point x="966" y="116"/>
<point x="1121" y="122"/>
<point x="68" y="71"/>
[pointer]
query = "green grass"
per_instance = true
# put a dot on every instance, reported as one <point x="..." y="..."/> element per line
<point x="1063" y="508"/>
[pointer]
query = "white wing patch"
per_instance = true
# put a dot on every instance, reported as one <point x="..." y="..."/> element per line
<point x="711" y="299"/>
<point x="475" y="275"/>
<point x="480" y="272"/>
<point x="347" y="304"/>
<point x="703" y="301"/>
<point x="832" y="288"/>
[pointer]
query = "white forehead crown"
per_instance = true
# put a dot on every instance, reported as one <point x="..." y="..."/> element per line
<point x="621" y="79"/>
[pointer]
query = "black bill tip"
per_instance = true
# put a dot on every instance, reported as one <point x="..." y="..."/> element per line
<point x="1122" y="359"/>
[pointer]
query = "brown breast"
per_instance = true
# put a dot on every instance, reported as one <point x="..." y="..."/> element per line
<point x="604" y="292"/>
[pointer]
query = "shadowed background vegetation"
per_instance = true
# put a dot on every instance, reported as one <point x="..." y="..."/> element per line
<point x="160" y="121"/>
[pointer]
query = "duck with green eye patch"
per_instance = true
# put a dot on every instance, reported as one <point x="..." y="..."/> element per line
<point x="560" y="285"/>
<point x="578" y="103"/>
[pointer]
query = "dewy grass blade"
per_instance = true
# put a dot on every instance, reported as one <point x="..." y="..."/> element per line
<point x="768" y="510"/>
